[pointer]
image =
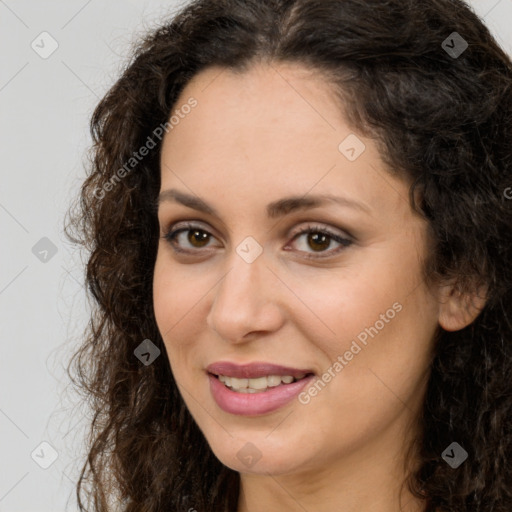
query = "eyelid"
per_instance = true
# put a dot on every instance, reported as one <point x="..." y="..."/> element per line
<point x="342" y="237"/>
<point x="312" y="226"/>
<point x="340" y="231"/>
<point x="188" y="224"/>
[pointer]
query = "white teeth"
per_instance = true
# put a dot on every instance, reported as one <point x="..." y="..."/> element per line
<point x="239" y="383"/>
<point x="257" y="384"/>
<point x="273" y="380"/>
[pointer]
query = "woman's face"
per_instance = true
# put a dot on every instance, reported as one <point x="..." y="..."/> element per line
<point x="354" y="314"/>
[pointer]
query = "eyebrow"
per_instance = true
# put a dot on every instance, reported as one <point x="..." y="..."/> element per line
<point x="274" y="209"/>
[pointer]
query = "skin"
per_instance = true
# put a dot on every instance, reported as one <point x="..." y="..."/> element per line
<point x="253" y="138"/>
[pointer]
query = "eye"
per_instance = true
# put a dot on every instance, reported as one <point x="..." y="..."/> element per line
<point x="196" y="237"/>
<point x="320" y="238"/>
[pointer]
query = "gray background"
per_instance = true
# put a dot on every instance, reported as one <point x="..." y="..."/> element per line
<point x="45" y="106"/>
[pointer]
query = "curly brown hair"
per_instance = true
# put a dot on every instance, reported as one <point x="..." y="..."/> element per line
<point x="443" y="121"/>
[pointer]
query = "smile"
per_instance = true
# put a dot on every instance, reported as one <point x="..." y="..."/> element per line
<point x="258" y="385"/>
<point x="247" y="400"/>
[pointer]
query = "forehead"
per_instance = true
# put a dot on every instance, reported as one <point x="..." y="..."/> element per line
<point x="268" y="128"/>
<point x="291" y="83"/>
<point x="259" y="98"/>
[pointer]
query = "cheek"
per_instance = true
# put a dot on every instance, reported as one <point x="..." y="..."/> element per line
<point x="383" y="353"/>
<point x="375" y="369"/>
<point x="381" y="321"/>
<point x="163" y="298"/>
<point x="174" y="294"/>
<point x="180" y="302"/>
<point x="341" y="306"/>
<point x="171" y="303"/>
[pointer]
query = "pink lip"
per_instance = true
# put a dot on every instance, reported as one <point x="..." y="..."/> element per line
<point x="253" y="370"/>
<point x="253" y="404"/>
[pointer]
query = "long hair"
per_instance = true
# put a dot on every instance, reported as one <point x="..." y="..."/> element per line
<point x="439" y="106"/>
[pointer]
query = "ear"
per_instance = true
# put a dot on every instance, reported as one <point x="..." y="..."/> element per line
<point x="457" y="309"/>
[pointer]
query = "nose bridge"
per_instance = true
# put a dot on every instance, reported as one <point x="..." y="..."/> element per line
<point x="243" y="300"/>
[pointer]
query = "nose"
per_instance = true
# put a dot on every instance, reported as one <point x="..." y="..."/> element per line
<point x="246" y="301"/>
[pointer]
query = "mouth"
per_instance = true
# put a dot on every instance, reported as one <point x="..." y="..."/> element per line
<point x="255" y="388"/>
<point x="258" y="384"/>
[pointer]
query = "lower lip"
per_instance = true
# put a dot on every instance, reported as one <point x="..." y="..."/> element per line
<point x="252" y="404"/>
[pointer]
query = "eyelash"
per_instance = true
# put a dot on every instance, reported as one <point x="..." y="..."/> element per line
<point x="345" y="242"/>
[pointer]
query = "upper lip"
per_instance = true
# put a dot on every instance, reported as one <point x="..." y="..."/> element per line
<point x="253" y="370"/>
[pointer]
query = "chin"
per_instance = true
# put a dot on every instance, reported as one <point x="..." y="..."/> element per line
<point x="258" y="454"/>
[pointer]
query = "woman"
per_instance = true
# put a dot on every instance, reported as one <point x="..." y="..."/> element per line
<point x="300" y="250"/>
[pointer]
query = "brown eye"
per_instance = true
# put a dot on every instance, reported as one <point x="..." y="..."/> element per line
<point x="318" y="240"/>
<point x="195" y="237"/>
